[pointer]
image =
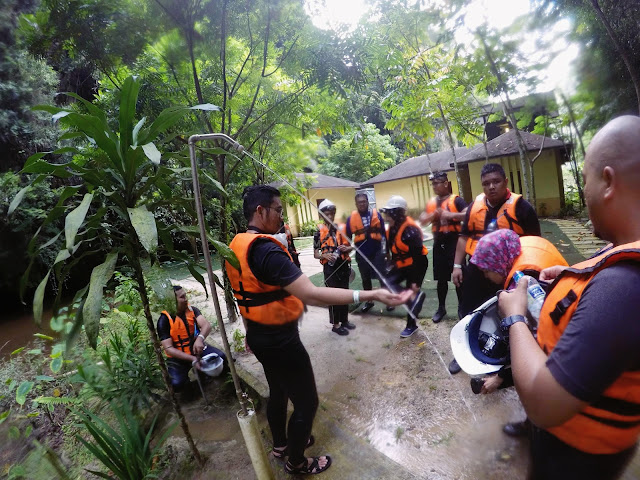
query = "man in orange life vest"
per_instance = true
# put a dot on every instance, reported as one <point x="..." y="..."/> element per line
<point x="183" y="339"/>
<point x="580" y="381"/>
<point x="445" y="212"/>
<point x="366" y="227"/>
<point x="495" y="208"/>
<point x="271" y="292"/>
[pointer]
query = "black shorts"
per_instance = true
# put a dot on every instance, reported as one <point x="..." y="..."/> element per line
<point x="444" y="252"/>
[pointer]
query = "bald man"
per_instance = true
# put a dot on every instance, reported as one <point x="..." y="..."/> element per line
<point x="579" y="381"/>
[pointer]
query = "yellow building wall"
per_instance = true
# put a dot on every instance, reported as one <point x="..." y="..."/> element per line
<point x="415" y="190"/>
<point x="547" y="183"/>
<point x="343" y="198"/>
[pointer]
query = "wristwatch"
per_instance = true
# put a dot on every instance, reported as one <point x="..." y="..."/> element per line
<point x="201" y="336"/>
<point x="506" y="322"/>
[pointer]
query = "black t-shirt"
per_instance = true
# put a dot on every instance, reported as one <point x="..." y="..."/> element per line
<point x="601" y="340"/>
<point x="271" y="265"/>
<point x="164" y="328"/>
<point x="525" y="215"/>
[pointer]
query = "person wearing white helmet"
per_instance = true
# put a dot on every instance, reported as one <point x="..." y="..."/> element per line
<point x="407" y="256"/>
<point x="332" y="248"/>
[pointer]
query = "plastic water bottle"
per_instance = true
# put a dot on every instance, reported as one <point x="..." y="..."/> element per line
<point x="535" y="294"/>
<point x="334" y="257"/>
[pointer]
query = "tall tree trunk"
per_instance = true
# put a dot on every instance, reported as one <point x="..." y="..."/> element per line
<point x="135" y="261"/>
<point x="577" y="175"/>
<point x="621" y="51"/>
<point x="509" y="113"/>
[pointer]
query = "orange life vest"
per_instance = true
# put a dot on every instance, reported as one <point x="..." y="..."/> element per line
<point x="506" y="219"/>
<point x="611" y="423"/>
<point x="536" y="254"/>
<point x="400" y="250"/>
<point x="358" y="230"/>
<point x="181" y="337"/>
<point x="329" y="242"/>
<point x="259" y="302"/>
<point x="450" y="205"/>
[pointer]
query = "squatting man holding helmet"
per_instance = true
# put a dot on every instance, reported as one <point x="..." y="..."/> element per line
<point x="580" y="381"/>
<point x="271" y="292"/>
<point x="183" y="338"/>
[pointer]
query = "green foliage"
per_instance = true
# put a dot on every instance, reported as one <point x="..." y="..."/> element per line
<point x="16" y="229"/>
<point x="238" y="340"/>
<point x="119" y="168"/>
<point x="308" y="228"/>
<point x="129" y="371"/>
<point x="126" y="450"/>
<point x="360" y="155"/>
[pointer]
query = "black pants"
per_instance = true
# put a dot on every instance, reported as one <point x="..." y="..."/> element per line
<point x="367" y="273"/>
<point x="444" y="251"/>
<point x="476" y="289"/>
<point x="179" y="369"/>
<point x="290" y="376"/>
<point x="553" y="459"/>
<point x="337" y="276"/>
<point x="413" y="274"/>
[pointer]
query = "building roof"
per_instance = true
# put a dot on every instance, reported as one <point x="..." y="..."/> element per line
<point x="318" y="181"/>
<point x="506" y="145"/>
<point x="417" y="166"/>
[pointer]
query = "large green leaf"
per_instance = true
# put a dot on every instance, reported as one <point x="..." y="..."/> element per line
<point x="128" y="99"/>
<point x="93" y="304"/>
<point x="216" y="184"/>
<point x="38" y="298"/>
<point x="145" y="225"/>
<point x="22" y="392"/>
<point x="75" y="219"/>
<point x="160" y="283"/>
<point x="167" y="118"/>
<point x="225" y="252"/>
<point x="20" y="195"/>
<point x="152" y="153"/>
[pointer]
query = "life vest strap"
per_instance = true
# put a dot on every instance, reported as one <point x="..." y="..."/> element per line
<point x="256" y="299"/>
<point x="612" y="423"/>
<point x="617" y="406"/>
<point x="562" y="306"/>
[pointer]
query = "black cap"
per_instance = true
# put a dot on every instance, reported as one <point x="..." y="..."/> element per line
<point x="438" y="176"/>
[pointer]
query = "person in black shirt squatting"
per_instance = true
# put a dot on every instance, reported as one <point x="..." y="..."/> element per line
<point x="271" y="292"/>
<point x="183" y="339"/>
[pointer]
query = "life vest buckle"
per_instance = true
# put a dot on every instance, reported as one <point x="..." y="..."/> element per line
<point x="562" y="306"/>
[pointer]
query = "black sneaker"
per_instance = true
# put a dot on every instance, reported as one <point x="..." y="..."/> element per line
<point x="416" y="304"/>
<point x="340" y="330"/>
<point x="366" y="307"/>
<point x="349" y="325"/>
<point x="517" y="429"/>
<point x="454" y="367"/>
<point x="410" y="330"/>
<point x="439" y="315"/>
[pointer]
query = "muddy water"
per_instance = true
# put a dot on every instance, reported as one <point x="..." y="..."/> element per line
<point x="18" y="330"/>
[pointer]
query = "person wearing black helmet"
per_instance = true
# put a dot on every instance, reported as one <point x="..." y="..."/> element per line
<point x="407" y="255"/>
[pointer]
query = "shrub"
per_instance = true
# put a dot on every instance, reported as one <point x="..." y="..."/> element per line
<point x="308" y="228"/>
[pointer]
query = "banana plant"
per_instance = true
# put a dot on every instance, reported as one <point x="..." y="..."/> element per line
<point x="110" y="215"/>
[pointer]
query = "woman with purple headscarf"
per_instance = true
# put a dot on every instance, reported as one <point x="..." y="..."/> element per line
<point x="499" y="254"/>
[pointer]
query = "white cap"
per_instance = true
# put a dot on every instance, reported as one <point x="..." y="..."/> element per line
<point x="396" y="201"/>
<point x="326" y="203"/>
<point x="488" y="318"/>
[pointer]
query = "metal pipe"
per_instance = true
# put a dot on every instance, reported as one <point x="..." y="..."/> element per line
<point x="207" y="255"/>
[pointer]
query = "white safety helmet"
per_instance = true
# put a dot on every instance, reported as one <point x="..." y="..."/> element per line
<point x="326" y="204"/>
<point x="396" y="201"/>
<point x="477" y="342"/>
<point x="212" y="364"/>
